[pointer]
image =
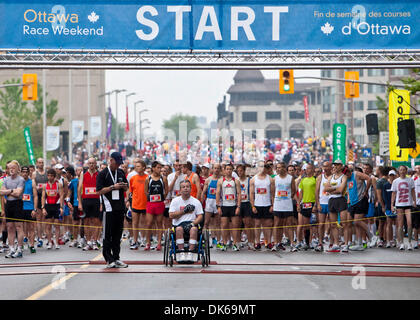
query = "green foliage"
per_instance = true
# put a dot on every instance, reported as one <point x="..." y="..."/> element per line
<point x="173" y="123"/>
<point x="121" y="128"/>
<point x="18" y="114"/>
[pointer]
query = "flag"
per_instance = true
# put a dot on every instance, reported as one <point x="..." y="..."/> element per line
<point x="305" y="105"/>
<point x="339" y="142"/>
<point x="108" y="133"/>
<point x="127" y="126"/>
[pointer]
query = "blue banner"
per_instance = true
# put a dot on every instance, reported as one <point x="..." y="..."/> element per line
<point x="210" y="25"/>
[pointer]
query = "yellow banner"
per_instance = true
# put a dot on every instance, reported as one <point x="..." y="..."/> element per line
<point x="399" y="108"/>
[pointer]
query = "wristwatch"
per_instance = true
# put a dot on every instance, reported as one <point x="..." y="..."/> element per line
<point x="112" y="187"/>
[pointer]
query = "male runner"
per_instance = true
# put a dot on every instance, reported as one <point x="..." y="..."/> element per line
<point x="415" y="216"/>
<point x="193" y="178"/>
<point x="262" y="198"/>
<point x="30" y="203"/>
<point x="72" y="201"/>
<point x="53" y="206"/>
<point x="285" y="190"/>
<point x="322" y="198"/>
<point x="89" y="204"/>
<point x="228" y="202"/>
<point x="246" y="209"/>
<point x="40" y="178"/>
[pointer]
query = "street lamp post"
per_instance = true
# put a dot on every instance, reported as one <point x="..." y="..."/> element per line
<point x="135" y="117"/>
<point x="140" y="121"/>
<point x="143" y="129"/>
<point x="117" y="91"/>
<point x="108" y="94"/>
<point x="126" y="104"/>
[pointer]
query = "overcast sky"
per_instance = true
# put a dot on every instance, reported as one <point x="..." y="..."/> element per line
<point x="166" y="92"/>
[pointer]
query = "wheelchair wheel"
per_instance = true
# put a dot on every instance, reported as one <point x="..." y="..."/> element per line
<point x="203" y="261"/>
<point x="171" y="260"/>
<point x="166" y="247"/>
<point x="207" y="246"/>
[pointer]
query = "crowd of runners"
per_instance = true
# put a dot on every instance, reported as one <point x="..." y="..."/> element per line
<point x="272" y="206"/>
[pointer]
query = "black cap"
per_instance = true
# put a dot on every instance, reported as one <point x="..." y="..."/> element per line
<point x="70" y="170"/>
<point x="117" y="157"/>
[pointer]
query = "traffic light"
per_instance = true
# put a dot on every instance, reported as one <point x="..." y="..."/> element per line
<point x="30" y="87"/>
<point x="351" y="89"/>
<point x="286" y="83"/>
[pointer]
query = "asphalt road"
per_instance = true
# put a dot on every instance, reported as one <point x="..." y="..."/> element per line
<point x="70" y="273"/>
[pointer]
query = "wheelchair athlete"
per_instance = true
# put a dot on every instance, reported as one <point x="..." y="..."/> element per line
<point x="186" y="213"/>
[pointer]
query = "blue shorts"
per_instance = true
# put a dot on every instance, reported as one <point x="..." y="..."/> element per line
<point x="371" y="211"/>
<point x="324" y="209"/>
<point x="66" y="211"/>
<point x="390" y="214"/>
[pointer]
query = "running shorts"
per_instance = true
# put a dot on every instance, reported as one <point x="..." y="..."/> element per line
<point x="359" y="208"/>
<point x="228" y="212"/>
<point x="53" y="211"/>
<point x="246" y="210"/>
<point x="14" y="210"/>
<point x="155" y="208"/>
<point x="263" y="213"/>
<point x="91" y="208"/>
<point x="337" y="205"/>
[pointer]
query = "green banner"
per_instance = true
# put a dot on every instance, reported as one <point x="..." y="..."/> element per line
<point x="339" y="142"/>
<point x="29" y="147"/>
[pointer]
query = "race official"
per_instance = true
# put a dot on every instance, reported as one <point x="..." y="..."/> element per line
<point x="111" y="184"/>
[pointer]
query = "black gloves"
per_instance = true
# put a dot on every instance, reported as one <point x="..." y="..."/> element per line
<point x="189" y="208"/>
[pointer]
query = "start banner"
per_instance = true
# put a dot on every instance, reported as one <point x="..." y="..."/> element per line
<point x="210" y="24"/>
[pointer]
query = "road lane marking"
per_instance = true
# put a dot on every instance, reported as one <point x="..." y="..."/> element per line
<point x="39" y="294"/>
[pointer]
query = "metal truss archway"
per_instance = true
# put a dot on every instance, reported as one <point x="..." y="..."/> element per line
<point x="208" y="59"/>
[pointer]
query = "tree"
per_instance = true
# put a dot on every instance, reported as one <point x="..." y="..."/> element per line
<point x="173" y="123"/>
<point x="18" y="114"/>
<point x="121" y="129"/>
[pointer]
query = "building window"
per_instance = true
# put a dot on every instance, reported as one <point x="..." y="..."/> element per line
<point x="231" y="117"/>
<point x="358" y="123"/>
<point x="358" y="106"/>
<point x="272" y="115"/>
<point x="326" y="124"/>
<point x="249" y="117"/>
<point x="373" y="88"/>
<point x="400" y="72"/>
<point x="297" y="115"/>
<point x="372" y="105"/>
<point x="376" y="72"/>
<point x="326" y="108"/>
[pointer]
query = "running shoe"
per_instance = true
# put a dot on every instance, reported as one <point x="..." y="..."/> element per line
<point x="158" y="247"/>
<point x="393" y="244"/>
<point x="279" y="246"/>
<point x="224" y="247"/>
<point x="304" y="246"/>
<point x="380" y="244"/>
<point x="356" y="247"/>
<point x="257" y="246"/>
<point x="219" y="246"/>
<point x="409" y="246"/>
<point x="214" y="240"/>
<point x="25" y="239"/>
<point x="235" y="248"/>
<point x="401" y="246"/>
<point x="189" y="256"/>
<point x="18" y="254"/>
<point x="334" y="248"/>
<point x="95" y="246"/>
<point x="49" y="246"/>
<point x="345" y="248"/>
<point x="57" y="247"/>
<point x="40" y="244"/>
<point x="416" y="245"/>
<point x="319" y="248"/>
<point x="251" y="247"/>
<point x="61" y="242"/>
<point x="134" y="246"/>
<point x="111" y="265"/>
<point x="142" y="243"/>
<point x="365" y="245"/>
<point x="32" y="249"/>
<point x="294" y="248"/>
<point x="388" y="245"/>
<point x="147" y="248"/>
<point x="120" y="264"/>
<point x="10" y="254"/>
<point x="372" y="242"/>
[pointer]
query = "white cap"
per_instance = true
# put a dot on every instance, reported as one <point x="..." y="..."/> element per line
<point x="59" y="166"/>
<point x="206" y="165"/>
<point x="392" y="172"/>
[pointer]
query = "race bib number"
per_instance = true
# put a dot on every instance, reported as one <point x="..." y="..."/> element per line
<point x="26" y="197"/>
<point x="351" y="185"/>
<point x="229" y="197"/>
<point x="176" y="193"/>
<point x="181" y="208"/>
<point x="261" y="191"/>
<point x="155" y="198"/>
<point x="282" y="194"/>
<point x="51" y="193"/>
<point x="307" y="205"/>
<point x="212" y="191"/>
<point x="418" y="195"/>
<point x="91" y="190"/>
<point x="115" y="195"/>
<point x="41" y="185"/>
<point x="244" y="196"/>
<point x="333" y="184"/>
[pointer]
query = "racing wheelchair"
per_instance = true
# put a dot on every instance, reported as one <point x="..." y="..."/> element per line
<point x="201" y="253"/>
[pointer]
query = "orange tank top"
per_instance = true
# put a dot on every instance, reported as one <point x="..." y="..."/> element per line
<point x="194" y="190"/>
